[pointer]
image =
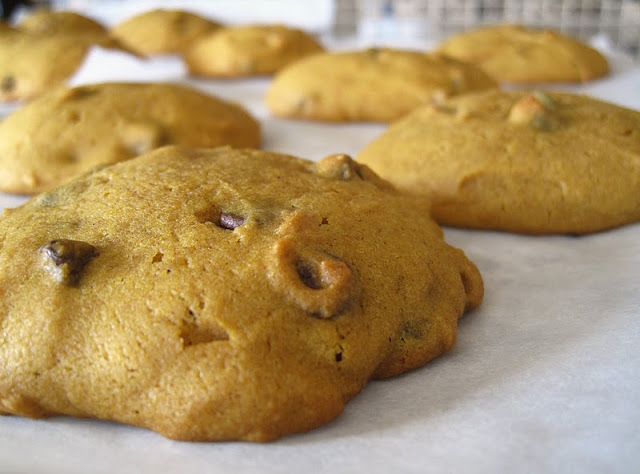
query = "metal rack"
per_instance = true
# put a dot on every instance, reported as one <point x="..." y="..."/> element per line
<point x="619" y="20"/>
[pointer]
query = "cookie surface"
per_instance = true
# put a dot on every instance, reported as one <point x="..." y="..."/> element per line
<point x="69" y="131"/>
<point x="249" y="51"/>
<point x="220" y="294"/>
<point x="49" y="22"/>
<point x="522" y="162"/>
<point x="163" y="31"/>
<point x="33" y="64"/>
<point x="372" y="85"/>
<point x="514" y="53"/>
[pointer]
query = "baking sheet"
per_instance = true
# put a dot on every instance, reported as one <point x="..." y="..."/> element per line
<point x="545" y="376"/>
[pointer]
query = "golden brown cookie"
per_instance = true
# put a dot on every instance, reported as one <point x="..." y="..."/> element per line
<point x="221" y="294"/>
<point x="49" y="22"/>
<point x="514" y="53"/>
<point x="163" y="31"/>
<point x="69" y="131"/>
<point x="33" y="64"/>
<point x="372" y="85"/>
<point x="249" y="51"/>
<point x="525" y="162"/>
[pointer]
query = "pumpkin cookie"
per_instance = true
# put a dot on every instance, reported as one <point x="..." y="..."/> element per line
<point x="221" y="294"/>
<point x="33" y="64"/>
<point x="525" y="162"/>
<point x="163" y="31"/>
<point x="69" y="131"/>
<point x="249" y="51"/>
<point x="514" y="53"/>
<point x="373" y="85"/>
<point x="48" y="22"/>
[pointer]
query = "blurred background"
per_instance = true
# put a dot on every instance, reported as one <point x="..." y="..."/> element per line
<point x="615" y="21"/>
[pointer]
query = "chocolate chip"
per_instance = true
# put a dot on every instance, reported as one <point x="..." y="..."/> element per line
<point x="319" y="283"/>
<point x="308" y="275"/>
<point x="65" y="259"/>
<point x="230" y="221"/>
<point x="7" y="84"/>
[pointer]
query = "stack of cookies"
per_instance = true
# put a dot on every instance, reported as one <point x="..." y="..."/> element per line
<point x="170" y="275"/>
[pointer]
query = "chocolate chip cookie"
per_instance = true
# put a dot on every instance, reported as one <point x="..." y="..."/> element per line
<point x="221" y="294"/>
<point x="31" y="64"/>
<point x="252" y="50"/>
<point x="55" y="22"/>
<point x="370" y="85"/>
<point x="163" y="31"/>
<point x="527" y="162"/>
<point x="515" y="53"/>
<point x="69" y="131"/>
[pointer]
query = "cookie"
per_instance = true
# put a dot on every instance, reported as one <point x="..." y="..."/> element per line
<point x="69" y="131"/>
<point x="221" y="294"/>
<point x="33" y="64"/>
<point x="537" y="163"/>
<point x="249" y="51"/>
<point x="49" y="22"/>
<point x="514" y="53"/>
<point x="371" y="85"/>
<point x="162" y="31"/>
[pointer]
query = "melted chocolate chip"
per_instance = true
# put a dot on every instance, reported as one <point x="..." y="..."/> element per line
<point x="230" y="221"/>
<point x="65" y="259"/>
<point x="308" y="275"/>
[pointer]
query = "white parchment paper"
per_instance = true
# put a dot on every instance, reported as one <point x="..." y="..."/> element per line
<point x="545" y="376"/>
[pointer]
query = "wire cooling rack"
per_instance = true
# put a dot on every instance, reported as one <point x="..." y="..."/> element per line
<point x="619" y="20"/>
